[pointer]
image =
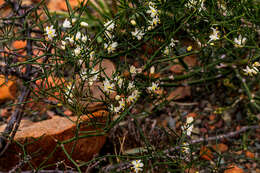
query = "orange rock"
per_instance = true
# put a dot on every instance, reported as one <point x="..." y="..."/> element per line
<point x="250" y="154"/>
<point x="205" y="153"/>
<point x="7" y="89"/>
<point x="43" y="137"/>
<point x="233" y="169"/>
<point x="220" y="147"/>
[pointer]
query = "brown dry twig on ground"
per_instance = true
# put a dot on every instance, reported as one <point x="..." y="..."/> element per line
<point x="125" y="165"/>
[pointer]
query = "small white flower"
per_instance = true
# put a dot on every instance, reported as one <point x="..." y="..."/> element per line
<point x="84" y="24"/>
<point x="111" y="47"/>
<point x="133" y="97"/>
<point x="108" y="87"/>
<point x="250" y="71"/>
<point x="66" y="24"/>
<point x="193" y="4"/>
<point x="154" y="22"/>
<point x="166" y="50"/>
<point x="173" y="42"/>
<point x="74" y="20"/>
<point x="50" y="31"/>
<point x="77" y="51"/>
<point x="114" y="109"/>
<point x="63" y="45"/>
<point x="138" y="33"/>
<point x="214" y="36"/>
<point x="122" y="104"/>
<point x="188" y="126"/>
<point x="152" y="11"/>
<point x="110" y="25"/>
<point x="152" y="70"/>
<point x="78" y="36"/>
<point x="256" y="64"/>
<point x="153" y="88"/>
<point x="130" y="86"/>
<point x="92" y="55"/>
<point x="240" y="42"/>
<point x="137" y="165"/>
<point x="84" y="38"/>
<point x="133" y="22"/>
<point x="70" y="39"/>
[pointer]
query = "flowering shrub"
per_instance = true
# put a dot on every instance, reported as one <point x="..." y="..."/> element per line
<point x="146" y="41"/>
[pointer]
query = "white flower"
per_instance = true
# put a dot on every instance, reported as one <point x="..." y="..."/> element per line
<point x="173" y="42"/>
<point x="240" y="42"/>
<point x="166" y="50"/>
<point x="193" y="4"/>
<point x="131" y="85"/>
<point x="138" y="34"/>
<point x="122" y="103"/>
<point x="134" y="96"/>
<point x="77" y="51"/>
<point x="78" y="36"/>
<point x="132" y="69"/>
<point x="63" y="45"/>
<point x="133" y="22"/>
<point x="66" y="24"/>
<point x="74" y="20"/>
<point x="188" y="126"/>
<point x="256" y="64"/>
<point x="110" y="25"/>
<point x="50" y="31"/>
<point x="92" y="55"/>
<point x="71" y="40"/>
<point x="114" y="109"/>
<point x="153" y="88"/>
<point x="154" y="22"/>
<point x="152" y="11"/>
<point x="137" y="165"/>
<point x="84" y="38"/>
<point x="108" y="87"/>
<point x="111" y="47"/>
<point x="250" y="71"/>
<point x="84" y="24"/>
<point x="214" y="36"/>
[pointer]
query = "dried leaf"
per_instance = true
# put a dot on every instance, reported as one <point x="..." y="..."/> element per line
<point x="7" y="89"/>
<point x="233" y="169"/>
<point x="220" y="147"/>
<point x="205" y="153"/>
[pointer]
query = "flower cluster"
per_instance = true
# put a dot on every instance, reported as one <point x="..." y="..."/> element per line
<point x="194" y="3"/>
<point x="172" y="44"/>
<point x="253" y="70"/>
<point x="214" y="36"/>
<point x="240" y="41"/>
<point x="187" y="128"/>
<point x="154" y="14"/>
<point x="111" y="45"/>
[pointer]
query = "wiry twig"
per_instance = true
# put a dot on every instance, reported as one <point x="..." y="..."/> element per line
<point x="14" y="122"/>
<point x="126" y="165"/>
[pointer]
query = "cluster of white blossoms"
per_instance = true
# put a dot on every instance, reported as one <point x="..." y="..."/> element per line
<point x="138" y="33"/>
<point x="253" y="70"/>
<point x="240" y="41"/>
<point x="187" y="128"/>
<point x="89" y="76"/>
<point x="111" y="45"/>
<point x="172" y="44"/>
<point x="132" y="92"/>
<point x="154" y="14"/>
<point x="195" y="3"/>
<point x="137" y="165"/>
